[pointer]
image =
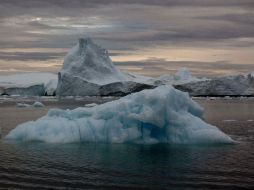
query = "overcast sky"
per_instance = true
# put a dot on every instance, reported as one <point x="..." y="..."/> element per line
<point x="151" y="37"/>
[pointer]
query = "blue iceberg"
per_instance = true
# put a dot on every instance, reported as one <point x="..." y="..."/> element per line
<point x="160" y="115"/>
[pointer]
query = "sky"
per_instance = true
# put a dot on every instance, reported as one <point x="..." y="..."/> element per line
<point x="149" y="37"/>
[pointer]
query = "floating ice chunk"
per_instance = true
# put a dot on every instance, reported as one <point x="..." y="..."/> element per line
<point x="35" y="105"/>
<point x="161" y="115"/>
<point x="38" y="105"/>
<point x="22" y="105"/>
<point x="91" y="105"/>
<point x="229" y="120"/>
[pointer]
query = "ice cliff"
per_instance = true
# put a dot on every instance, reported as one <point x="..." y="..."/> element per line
<point x="160" y="115"/>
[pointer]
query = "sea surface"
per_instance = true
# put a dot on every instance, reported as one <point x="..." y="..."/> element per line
<point x="129" y="166"/>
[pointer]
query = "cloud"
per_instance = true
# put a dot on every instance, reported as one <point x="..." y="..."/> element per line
<point x="127" y="26"/>
<point x="156" y="67"/>
<point x="25" y="56"/>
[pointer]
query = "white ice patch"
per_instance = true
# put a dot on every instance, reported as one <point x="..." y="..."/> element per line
<point x="38" y="105"/>
<point x="28" y="79"/>
<point x="91" y="105"/>
<point x="229" y="120"/>
<point x="35" y="105"/>
<point x="22" y="105"/>
<point x="161" y="115"/>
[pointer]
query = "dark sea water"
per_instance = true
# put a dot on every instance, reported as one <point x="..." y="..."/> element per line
<point x="130" y="166"/>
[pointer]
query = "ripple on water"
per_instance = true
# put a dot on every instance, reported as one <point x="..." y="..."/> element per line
<point x="90" y="166"/>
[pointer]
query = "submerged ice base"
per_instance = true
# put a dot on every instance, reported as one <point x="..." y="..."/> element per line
<point x="161" y="115"/>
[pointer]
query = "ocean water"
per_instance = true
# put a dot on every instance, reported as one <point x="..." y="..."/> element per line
<point x="129" y="166"/>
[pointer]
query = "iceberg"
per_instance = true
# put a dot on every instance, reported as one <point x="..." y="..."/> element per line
<point x="182" y="76"/>
<point x="88" y="71"/>
<point x="29" y="84"/>
<point x="237" y="85"/>
<point x="22" y="105"/>
<point x="160" y="115"/>
<point x="34" y="90"/>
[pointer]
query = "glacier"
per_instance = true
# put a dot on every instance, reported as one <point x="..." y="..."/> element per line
<point x="160" y="115"/>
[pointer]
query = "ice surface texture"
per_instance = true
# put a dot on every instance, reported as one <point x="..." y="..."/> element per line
<point x="161" y="115"/>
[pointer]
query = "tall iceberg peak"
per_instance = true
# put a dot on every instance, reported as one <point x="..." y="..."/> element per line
<point x="160" y="115"/>
<point x="88" y="61"/>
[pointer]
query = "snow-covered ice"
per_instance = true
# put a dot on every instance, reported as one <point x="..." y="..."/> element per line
<point x="161" y="115"/>
<point x="28" y="84"/>
<point x="50" y="86"/>
<point x="26" y="80"/>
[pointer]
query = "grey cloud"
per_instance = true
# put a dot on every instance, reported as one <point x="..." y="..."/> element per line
<point x="92" y="3"/>
<point x="36" y="56"/>
<point x="156" y="67"/>
<point x="243" y="18"/>
<point x="25" y="56"/>
<point x="141" y="21"/>
<point x="133" y="24"/>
